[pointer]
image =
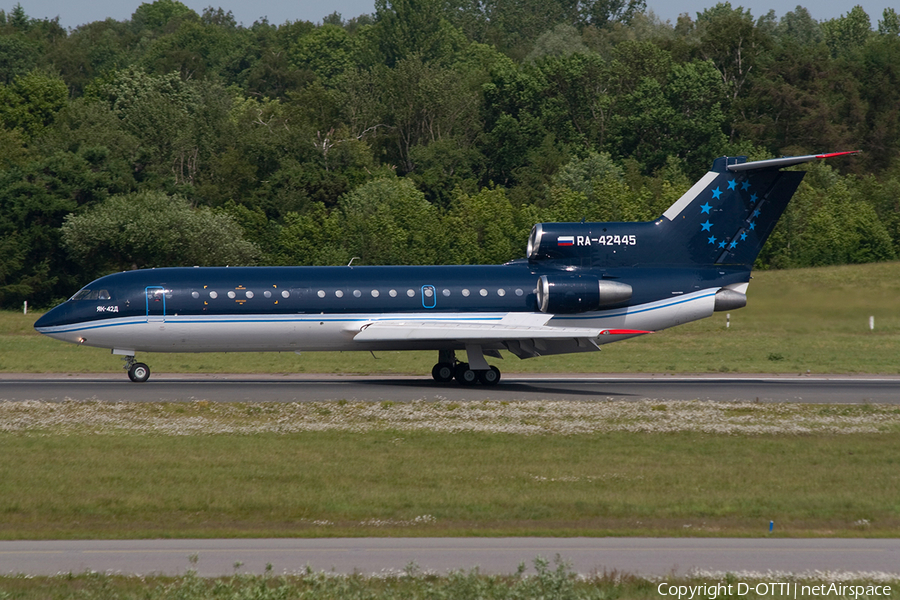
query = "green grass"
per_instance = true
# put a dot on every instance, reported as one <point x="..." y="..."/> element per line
<point x="331" y="483"/>
<point x="798" y="320"/>
<point x="550" y="582"/>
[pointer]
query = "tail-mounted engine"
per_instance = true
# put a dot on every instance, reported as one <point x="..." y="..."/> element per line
<point x="579" y="293"/>
<point x="555" y="241"/>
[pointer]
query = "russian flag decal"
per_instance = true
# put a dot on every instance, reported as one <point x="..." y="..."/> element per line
<point x="565" y="240"/>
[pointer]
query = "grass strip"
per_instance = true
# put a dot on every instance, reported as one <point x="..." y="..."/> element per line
<point x="550" y="582"/>
<point x="436" y="469"/>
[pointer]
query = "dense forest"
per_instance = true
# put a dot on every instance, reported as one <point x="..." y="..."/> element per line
<point x="429" y="132"/>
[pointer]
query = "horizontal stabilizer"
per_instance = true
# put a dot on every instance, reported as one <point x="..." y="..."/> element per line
<point x="777" y="163"/>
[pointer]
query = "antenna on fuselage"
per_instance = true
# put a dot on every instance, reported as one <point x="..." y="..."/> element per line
<point x="350" y="264"/>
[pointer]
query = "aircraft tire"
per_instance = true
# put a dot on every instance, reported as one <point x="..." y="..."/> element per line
<point x="139" y="373"/>
<point x="489" y="377"/>
<point x="442" y="372"/>
<point x="464" y="375"/>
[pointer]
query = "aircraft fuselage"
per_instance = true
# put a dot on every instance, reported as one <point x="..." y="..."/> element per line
<point x="245" y="309"/>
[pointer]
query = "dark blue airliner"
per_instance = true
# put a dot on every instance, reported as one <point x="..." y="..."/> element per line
<point x="581" y="285"/>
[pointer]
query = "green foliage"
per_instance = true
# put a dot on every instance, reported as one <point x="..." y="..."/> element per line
<point x="152" y="229"/>
<point x="18" y="56"/>
<point x="327" y="51"/>
<point x="527" y="109"/>
<point x="562" y="40"/>
<point x="889" y="24"/>
<point x="848" y="33"/>
<point x="31" y="102"/>
<point x="160" y="15"/>
<point x="388" y="221"/>
<point x="828" y="223"/>
<point x="483" y="229"/>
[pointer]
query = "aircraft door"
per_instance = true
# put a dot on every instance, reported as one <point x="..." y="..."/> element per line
<point x="156" y="303"/>
<point x="429" y="296"/>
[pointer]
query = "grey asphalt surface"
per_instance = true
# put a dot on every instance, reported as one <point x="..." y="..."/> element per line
<point x="304" y="388"/>
<point x="644" y="556"/>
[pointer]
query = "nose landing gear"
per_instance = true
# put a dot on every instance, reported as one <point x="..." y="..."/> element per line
<point x="138" y="372"/>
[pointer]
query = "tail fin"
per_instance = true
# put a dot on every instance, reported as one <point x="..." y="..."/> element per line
<point x="725" y="218"/>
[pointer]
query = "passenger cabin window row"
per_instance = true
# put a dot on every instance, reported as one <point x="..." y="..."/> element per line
<point x="244" y="294"/>
<point x="428" y="291"/>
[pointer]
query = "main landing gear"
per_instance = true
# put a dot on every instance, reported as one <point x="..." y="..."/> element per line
<point x="138" y="372"/>
<point x="466" y="373"/>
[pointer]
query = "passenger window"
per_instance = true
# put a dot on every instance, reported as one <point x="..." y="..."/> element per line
<point x="195" y="294"/>
<point x="267" y="294"/>
<point x="213" y="295"/>
<point x="285" y="294"/>
<point x="339" y="293"/>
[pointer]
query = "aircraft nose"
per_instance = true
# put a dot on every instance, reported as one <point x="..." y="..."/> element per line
<point x="53" y="318"/>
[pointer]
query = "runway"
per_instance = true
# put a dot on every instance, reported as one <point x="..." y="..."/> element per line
<point x="307" y="388"/>
<point x="643" y="556"/>
<point x="646" y="556"/>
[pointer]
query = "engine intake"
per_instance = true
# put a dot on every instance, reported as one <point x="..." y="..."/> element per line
<point x="579" y="293"/>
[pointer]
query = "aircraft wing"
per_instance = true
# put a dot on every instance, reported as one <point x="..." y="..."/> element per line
<point x="466" y="331"/>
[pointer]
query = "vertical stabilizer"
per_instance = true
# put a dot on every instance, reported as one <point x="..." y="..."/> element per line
<point x="727" y="216"/>
<point x="724" y="219"/>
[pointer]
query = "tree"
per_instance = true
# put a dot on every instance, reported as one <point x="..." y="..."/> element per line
<point x="413" y="27"/>
<point x="328" y="51"/>
<point x="161" y="16"/>
<point x="732" y="41"/>
<point x="32" y="102"/>
<point x="799" y="27"/>
<point x="389" y="222"/>
<point x="484" y="229"/>
<point x="562" y="40"/>
<point x="849" y="32"/>
<point x="889" y="24"/>
<point x="153" y="229"/>
<point x="601" y="13"/>
<point x="18" y="56"/>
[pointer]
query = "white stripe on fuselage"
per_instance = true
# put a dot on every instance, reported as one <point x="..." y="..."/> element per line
<point x="311" y="332"/>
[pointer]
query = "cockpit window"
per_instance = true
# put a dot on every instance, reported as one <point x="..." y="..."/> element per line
<point x="86" y="294"/>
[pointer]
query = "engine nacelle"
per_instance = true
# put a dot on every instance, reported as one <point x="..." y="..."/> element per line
<point x="579" y="293"/>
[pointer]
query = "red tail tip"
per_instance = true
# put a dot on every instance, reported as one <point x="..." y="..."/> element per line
<point x="833" y="154"/>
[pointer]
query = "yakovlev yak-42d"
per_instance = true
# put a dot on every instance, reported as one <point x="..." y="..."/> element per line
<point x="581" y="285"/>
